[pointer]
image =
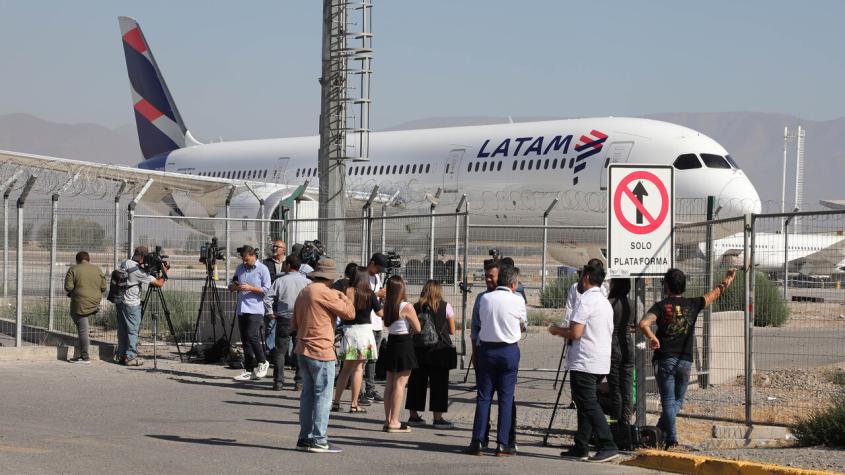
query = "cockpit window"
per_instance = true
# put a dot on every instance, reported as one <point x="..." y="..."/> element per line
<point x="732" y="161"/>
<point x="714" y="161"/>
<point x="687" y="161"/>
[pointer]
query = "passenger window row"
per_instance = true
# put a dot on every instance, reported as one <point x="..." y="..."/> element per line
<point x="406" y="169"/>
<point x="237" y="174"/>
<point x="538" y="164"/>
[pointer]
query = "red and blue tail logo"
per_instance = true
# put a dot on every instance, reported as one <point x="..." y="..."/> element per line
<point x="160" y="127"/>
<point x="586" y="148"/>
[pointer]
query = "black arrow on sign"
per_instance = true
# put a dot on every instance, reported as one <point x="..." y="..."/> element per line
<point x="639" y="192"/>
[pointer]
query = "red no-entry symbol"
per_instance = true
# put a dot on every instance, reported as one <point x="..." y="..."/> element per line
<point x="636" y="197"/>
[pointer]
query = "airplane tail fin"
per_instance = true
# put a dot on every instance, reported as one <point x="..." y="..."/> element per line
<point x="160" y="126"/>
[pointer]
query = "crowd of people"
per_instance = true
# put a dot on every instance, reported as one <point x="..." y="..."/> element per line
<point x="298" y="314"/>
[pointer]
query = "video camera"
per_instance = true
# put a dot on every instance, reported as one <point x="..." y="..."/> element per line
<point x="210" y="253"/>
<point x="311" y="252"/>
<point x="495" y="254"/>
<point x="394" y="261"/>
<point x="155" y="263"/>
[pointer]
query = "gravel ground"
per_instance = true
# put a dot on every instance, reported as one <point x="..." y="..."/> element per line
<point x="816" y="458"/>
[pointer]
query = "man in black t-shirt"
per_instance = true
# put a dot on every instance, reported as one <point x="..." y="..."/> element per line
<point x="675" y="317"/>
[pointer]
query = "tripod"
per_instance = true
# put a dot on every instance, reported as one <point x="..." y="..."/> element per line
<point x="210" y="296"/>
<point x="155" y="292"/>
<point x="559" y="393"/>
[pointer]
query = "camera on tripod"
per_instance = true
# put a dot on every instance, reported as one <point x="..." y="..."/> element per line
<point x="394" y="261"/>
<point x="311" y="252"/>
<point x="495" y="254"/>
<point x="210" y="253"/>
<point x="155" y="263"/>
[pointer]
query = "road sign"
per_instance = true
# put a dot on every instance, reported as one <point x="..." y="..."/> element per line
<point x="640" y="219"/>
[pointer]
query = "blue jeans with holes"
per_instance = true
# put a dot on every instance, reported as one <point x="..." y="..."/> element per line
<point x="672" y="375"/>
<point x="315" y="401"/>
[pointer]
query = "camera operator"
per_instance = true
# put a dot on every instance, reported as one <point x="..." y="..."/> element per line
<point x="375" y="267"/>
<point x="129" y="305"/>
<point x="252" y="282"/>
<point x="576" y="289"/>
<point x="279" y="307"/>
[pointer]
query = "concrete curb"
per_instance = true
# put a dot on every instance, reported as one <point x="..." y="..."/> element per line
<point x="700" y="465"/>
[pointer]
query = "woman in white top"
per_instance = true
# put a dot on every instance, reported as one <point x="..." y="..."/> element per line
<point x="400" y="358"/>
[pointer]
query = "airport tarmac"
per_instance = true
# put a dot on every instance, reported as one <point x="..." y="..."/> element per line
<point x="194" y="419"/>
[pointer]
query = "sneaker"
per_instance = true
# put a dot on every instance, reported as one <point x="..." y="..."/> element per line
<point x="323" y="448"/>
<point x="302" y="445"/>
<point x="80" y="360"/>
<point x="416" y="421"/>
<point x="134" y="361"/>
<point x="375" y="397"/>
<point x="442" y="424"/>
<point x="244" y="376"/>
<point x="261" y="369"/>
<point x="604" y="456"/>
<point x="363" y="401"/>
<point x="277" y="386"/>
<point x="574" y="453"/>
<point x="670" y="444"/>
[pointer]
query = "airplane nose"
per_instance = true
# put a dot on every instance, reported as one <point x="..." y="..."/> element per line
<point x="738" y="198"/>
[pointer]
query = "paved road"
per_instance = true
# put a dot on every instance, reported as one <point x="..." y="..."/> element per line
<point x="59" y="417"/>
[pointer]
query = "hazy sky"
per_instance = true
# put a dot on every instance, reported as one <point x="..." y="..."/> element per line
<point x="249" y="69"/>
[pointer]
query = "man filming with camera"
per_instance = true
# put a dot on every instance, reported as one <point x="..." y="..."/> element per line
<point x="138" y="271"/>
<point x="252" y="282"/>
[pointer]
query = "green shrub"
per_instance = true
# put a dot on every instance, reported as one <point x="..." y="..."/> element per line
<point x="823" y="426"/>
<point x="769" y="306"/>
<point x="72" y="232"/>
<point x="541" y="318"/>
<point x="554" y="295"/>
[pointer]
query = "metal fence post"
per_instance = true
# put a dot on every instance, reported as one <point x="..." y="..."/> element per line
<point x="384" y="228"/>
<point x="546" y="242"/>
<point x="748" y="245"/>
<point x="434" y="201"/>
<point x="51" y="285"/>
<point x="131" y="223"/>
<point x="7" y="191"/>
<point x="19" y="263"/>
<point x="456" y="266"/>
<point x="704" y="379"/>
<point x="786" y="254"/>
<point x="228" y="231"/>
<point x="466" y="290"/>
<point x="639" y="360"/>
<point x="117" y="221"/>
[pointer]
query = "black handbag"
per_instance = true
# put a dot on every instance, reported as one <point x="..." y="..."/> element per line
<point x="444" y="355"/>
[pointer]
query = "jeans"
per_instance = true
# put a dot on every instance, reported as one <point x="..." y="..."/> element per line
<point x="315" y="401"/>
<point x="249" y="324"/>
<point x="672" y="375"/>
<point x="370" y="369"/>
<point x="128" y="323"/>
<point x="81" y="322"/>
<point x="498" y="365"/>
<point x="620" y="381"/>
<point x="283" y="343"/>
<point x="590" y="416"/>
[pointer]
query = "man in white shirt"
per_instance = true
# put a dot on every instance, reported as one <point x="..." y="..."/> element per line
<point x="503" y="317"/>
<point x="575" y="291"/>
<point x="591" y="331"/>
<point x="375" y="267"/>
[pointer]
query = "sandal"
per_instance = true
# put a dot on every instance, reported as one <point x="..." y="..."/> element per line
<point x="335" y="407"/>
<point x="357" y="410"/>
<point x="403" y="428"/>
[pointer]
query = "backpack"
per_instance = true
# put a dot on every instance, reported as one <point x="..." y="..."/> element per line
<point x="428" y="336"/>
<point x="119" y="283"/>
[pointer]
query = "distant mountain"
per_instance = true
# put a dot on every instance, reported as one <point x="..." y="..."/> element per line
<point x="754" y="139"/>
<point x="89" y="142"/>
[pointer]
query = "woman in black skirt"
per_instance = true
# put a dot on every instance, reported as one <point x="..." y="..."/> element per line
<point x="401" y="321"/>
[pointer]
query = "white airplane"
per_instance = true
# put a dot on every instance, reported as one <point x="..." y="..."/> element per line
<point x="497" y="166"/>
<point x="808" y="254"/>
<point x="509" y="172"/>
